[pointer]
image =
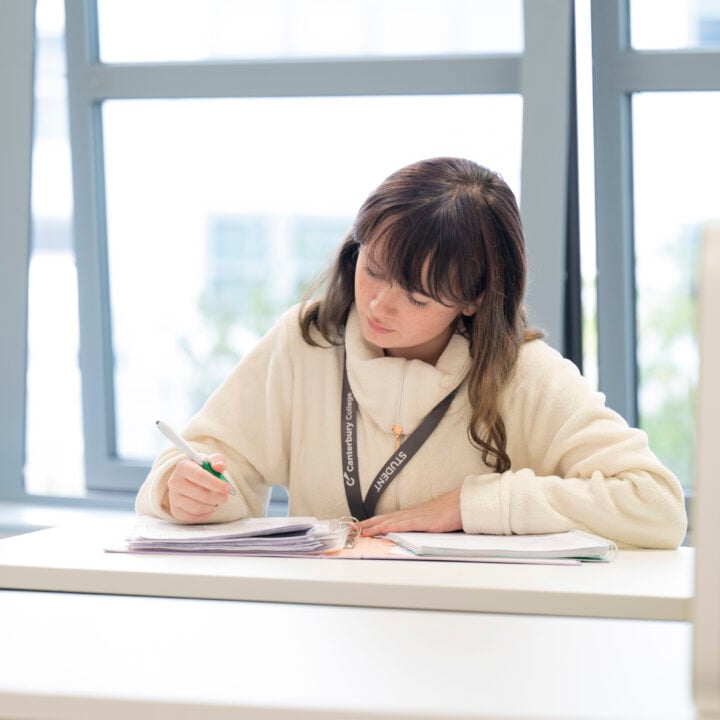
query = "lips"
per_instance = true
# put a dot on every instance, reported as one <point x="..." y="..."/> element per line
<point x="376" y="326"/>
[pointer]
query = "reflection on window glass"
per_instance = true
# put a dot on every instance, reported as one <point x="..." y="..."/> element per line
<point x="676" y="199"/>
<point x="242" y="29"/>
<point x="257" y="267"/>
<point x="221" y="211"/>
<point x="54" y="440"/>
<point x="674" y="24"/>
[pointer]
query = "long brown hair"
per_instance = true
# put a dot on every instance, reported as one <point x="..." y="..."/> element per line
<point x="450" y="229"/>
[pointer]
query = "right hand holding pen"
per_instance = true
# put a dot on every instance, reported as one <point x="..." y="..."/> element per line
<point x="193" y="493"/>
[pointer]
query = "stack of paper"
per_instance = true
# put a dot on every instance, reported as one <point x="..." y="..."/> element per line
<point x="263" y="536"/>
<point x="572" y="544"/>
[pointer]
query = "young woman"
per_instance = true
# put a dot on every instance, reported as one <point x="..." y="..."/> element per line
<point x="413" y="395"/>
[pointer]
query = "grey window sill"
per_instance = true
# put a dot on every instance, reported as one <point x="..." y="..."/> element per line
<point x="22" y="517"/>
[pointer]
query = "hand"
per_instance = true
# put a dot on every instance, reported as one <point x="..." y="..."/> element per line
<point x="193" y="493"/>
<point x="439" y="515"/>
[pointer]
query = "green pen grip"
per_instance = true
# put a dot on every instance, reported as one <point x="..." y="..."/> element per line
<point x="207" y="466"/>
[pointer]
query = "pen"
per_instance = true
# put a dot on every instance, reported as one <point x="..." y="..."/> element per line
<point x="181" y="444"/>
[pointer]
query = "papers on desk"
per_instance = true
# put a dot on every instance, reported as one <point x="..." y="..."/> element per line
<point x="250" y="536"/>
<point x="309" y="537"/>
<point x="575" y="544"/>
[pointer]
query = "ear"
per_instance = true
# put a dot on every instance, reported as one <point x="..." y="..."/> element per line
<point x="472" y="308"/>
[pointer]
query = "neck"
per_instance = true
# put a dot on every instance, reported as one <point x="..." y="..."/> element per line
<point x="428" y="352"/>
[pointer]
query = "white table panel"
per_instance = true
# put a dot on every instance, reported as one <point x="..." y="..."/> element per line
<point x="649" y="584"/>
<point x="75" y="656"/>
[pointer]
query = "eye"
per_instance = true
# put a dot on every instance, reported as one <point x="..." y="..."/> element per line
<point x="370" y="272"/>
<point x="373" y="273"/>
<point x="417" y="303"/>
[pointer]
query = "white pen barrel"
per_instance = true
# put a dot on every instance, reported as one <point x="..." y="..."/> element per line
<point x="180" y="442"/>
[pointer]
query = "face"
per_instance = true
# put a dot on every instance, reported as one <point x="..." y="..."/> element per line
<point x="408" y="325"/>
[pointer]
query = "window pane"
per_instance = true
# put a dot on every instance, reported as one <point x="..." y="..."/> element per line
<point x="221" y="211"/>
<point x="166" y="30"/>
<point x="674" y="24"/>
<point x="54" y="452"/>
<point x="676" y="198"/>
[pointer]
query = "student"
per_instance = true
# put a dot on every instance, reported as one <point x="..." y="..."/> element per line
<point x="421" y="324"/>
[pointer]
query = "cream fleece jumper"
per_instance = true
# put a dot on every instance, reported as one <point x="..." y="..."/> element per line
<point x="575" y="462"/>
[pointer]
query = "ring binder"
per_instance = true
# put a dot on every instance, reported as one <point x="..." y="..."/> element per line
<point x="353" y="530"/>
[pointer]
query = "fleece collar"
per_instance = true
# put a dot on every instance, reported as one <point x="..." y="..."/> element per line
<point x="393" y="390"/>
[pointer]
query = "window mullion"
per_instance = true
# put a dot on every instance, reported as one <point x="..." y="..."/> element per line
<point x="658" y="71"/>
<point x="417" y="76"/>
<point x="96" y="353"/>
<point x="617" y="362"/>
<point x="546" y="90"/>
<point x="17" y="27"/>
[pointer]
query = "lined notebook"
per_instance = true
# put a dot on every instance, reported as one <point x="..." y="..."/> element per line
<point x="575" y="544"/>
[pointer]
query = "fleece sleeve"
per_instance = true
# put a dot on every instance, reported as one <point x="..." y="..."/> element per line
<point x="575" y="464"/>
<point x="248" y="420"/>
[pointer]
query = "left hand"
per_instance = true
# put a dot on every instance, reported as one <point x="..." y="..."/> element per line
<point x="439" y="515"/>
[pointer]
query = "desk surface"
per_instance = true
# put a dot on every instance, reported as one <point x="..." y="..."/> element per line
<point x="75" y="656"/>
<point x="639" y="584"/>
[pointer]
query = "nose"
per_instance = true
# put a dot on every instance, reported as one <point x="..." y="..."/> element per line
<point x="384" y="301"/>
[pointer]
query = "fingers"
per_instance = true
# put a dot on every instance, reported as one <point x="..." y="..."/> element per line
<point x="439" y="515"/>
<point x="217" y="462"/>
<point x="399" y="521"/>
<point x="194" y="493"/>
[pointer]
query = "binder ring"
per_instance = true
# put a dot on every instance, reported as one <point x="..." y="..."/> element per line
<point x="353" y="530"/>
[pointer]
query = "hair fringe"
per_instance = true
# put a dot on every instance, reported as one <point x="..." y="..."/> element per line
<point x="472" y="223"/>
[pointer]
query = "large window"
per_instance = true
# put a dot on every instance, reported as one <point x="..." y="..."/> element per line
<point x="137" y="31"/>
<point x="54" y="438"/>
<point x="657" y="110"/>
<point x="676" y="200"/>
<point x="221" y="211"/>
<point x="193" y="171"/>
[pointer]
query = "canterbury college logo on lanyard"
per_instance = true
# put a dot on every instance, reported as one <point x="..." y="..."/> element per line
<point x="360" y="508"/>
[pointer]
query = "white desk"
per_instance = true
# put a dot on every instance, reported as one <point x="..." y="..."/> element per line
<point x="72" y="656"/>
<point x="651" y="585"/>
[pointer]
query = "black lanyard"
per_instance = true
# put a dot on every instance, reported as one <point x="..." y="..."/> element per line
<point x="363" y="509"/>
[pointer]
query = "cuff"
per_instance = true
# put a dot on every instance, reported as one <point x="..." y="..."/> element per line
<point x="480" y="504"/>
<point x="486" y="502"/>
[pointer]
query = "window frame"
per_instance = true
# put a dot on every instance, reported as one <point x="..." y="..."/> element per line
<point x="16" y="88"/>
<point x="541" y="74"/>
<point x="618" y="72"/>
